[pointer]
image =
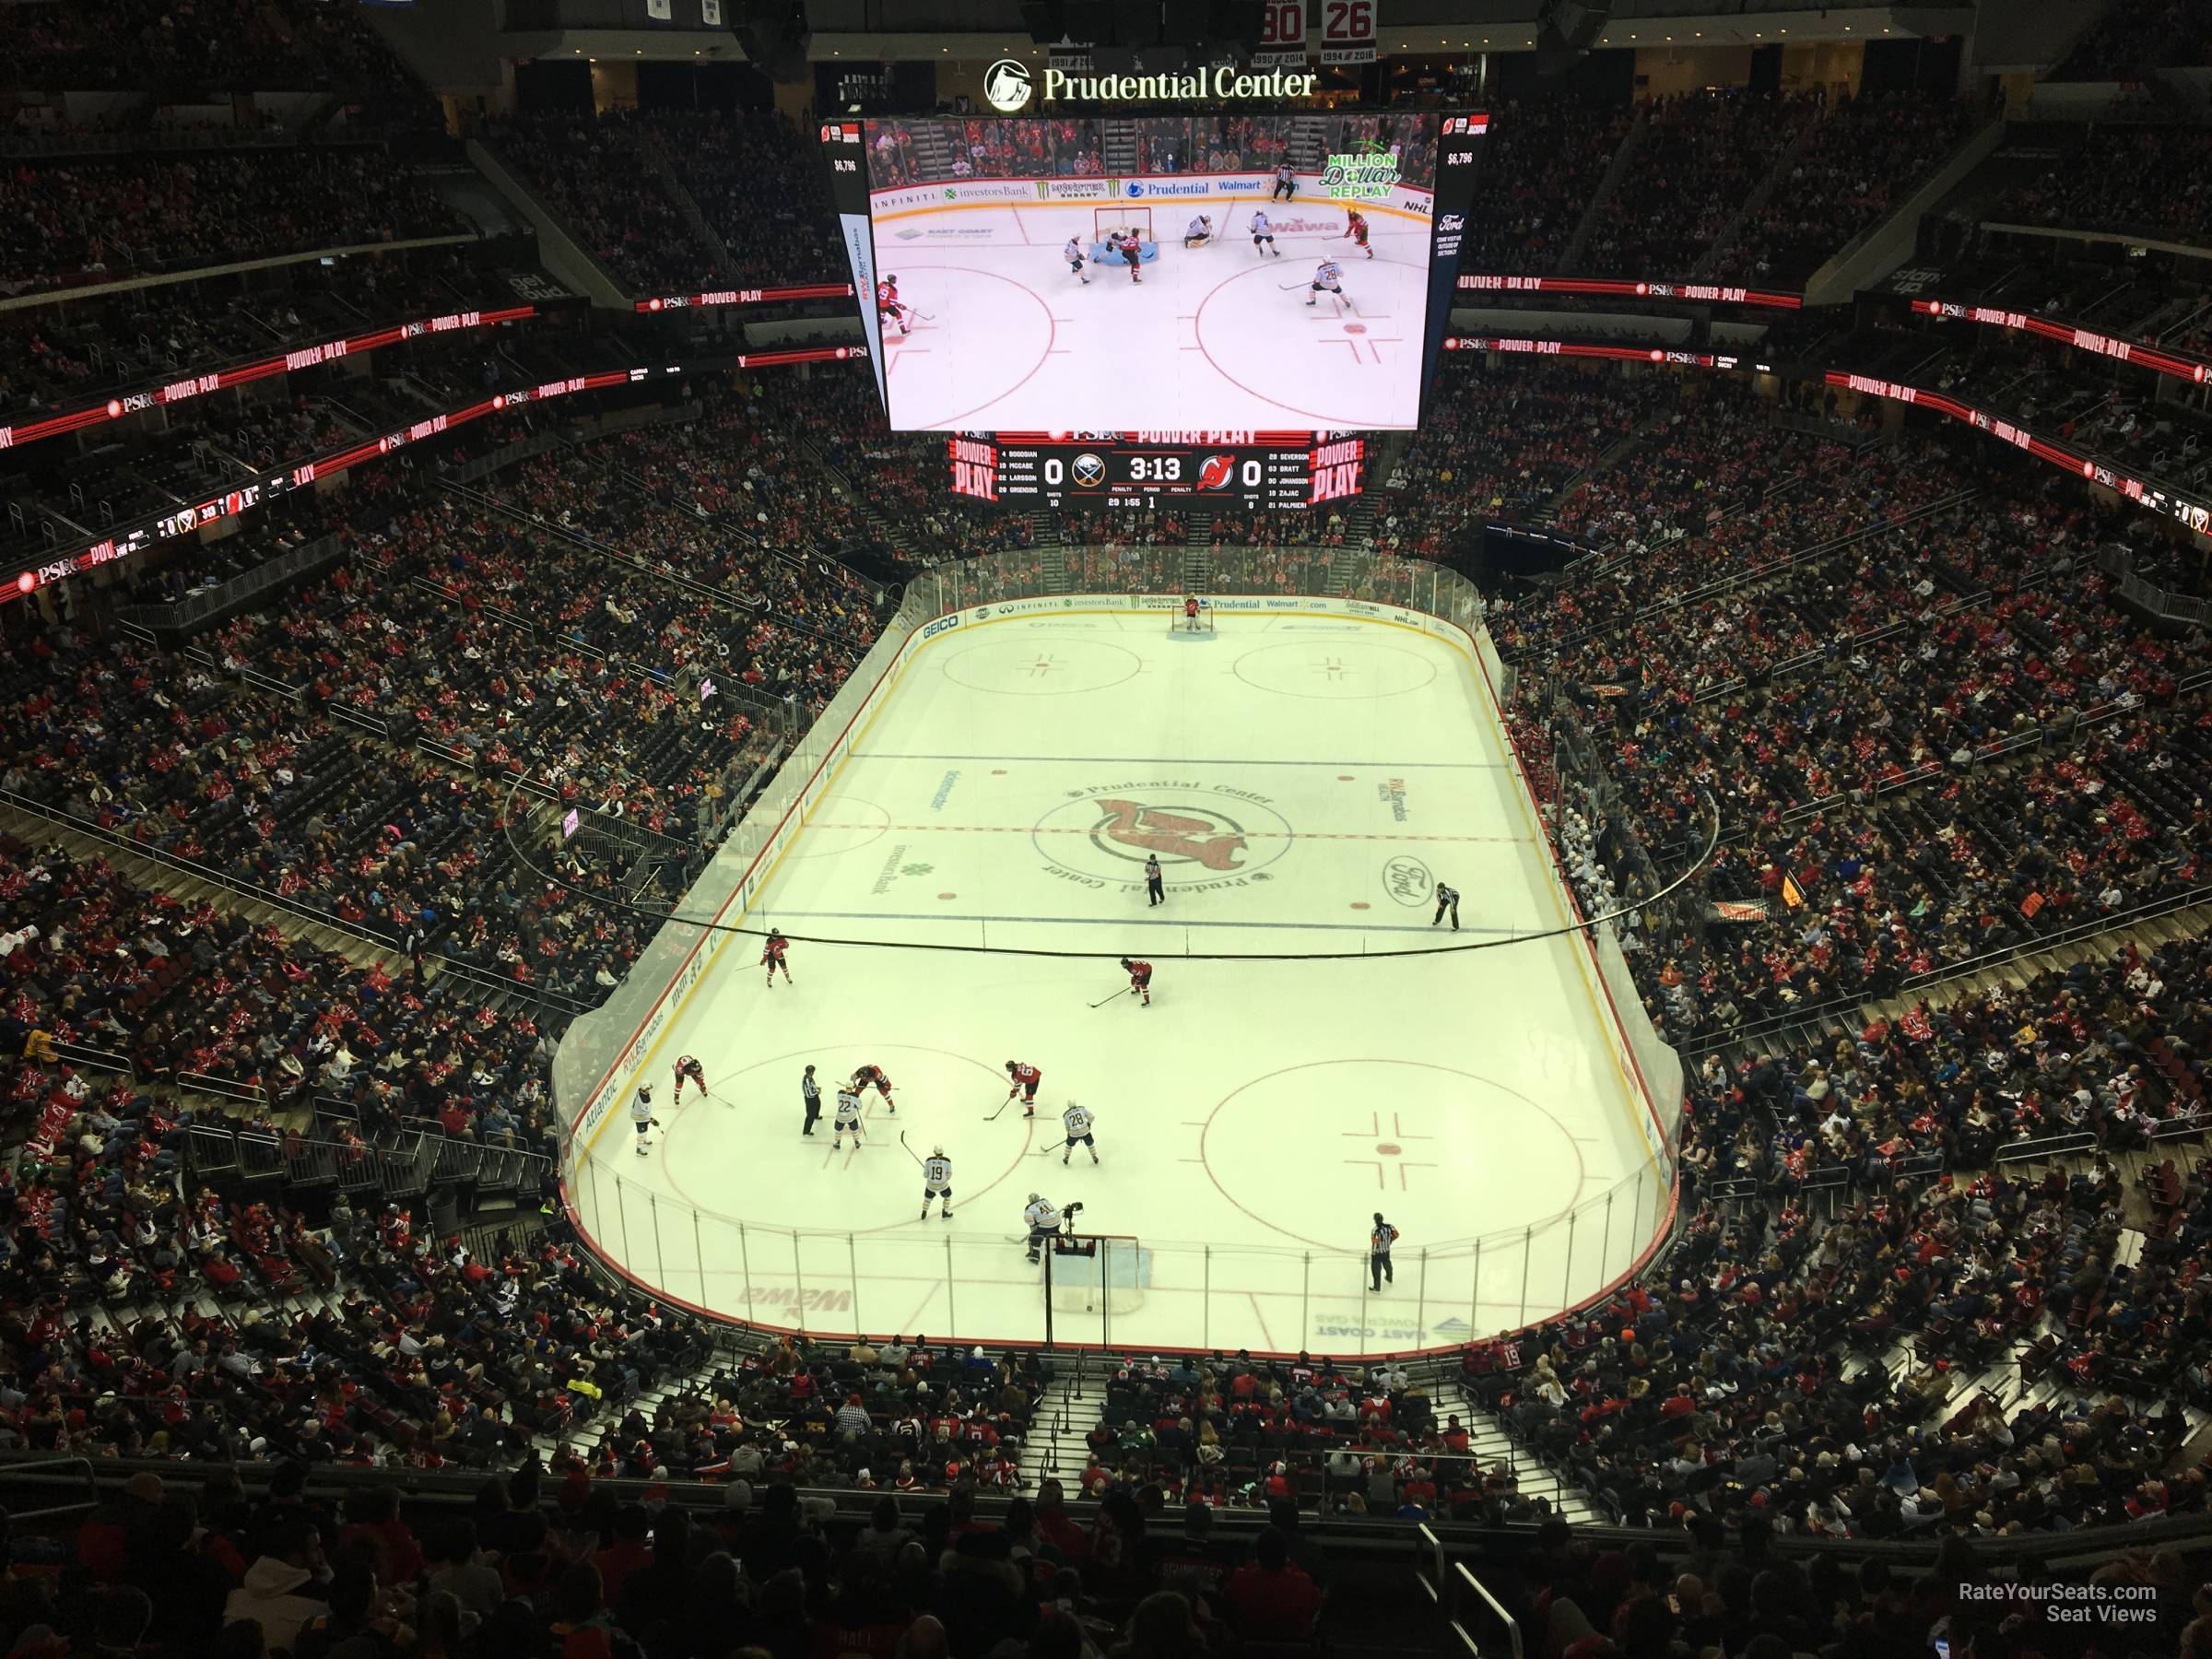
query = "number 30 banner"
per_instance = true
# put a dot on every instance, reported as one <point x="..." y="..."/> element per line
<point x="1348" y="32"/>
<point x="1282" y="43"/>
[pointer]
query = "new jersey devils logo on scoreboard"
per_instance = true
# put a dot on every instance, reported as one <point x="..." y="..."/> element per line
<point x="1216" y="471"/>
<point x="1171" y="835"/>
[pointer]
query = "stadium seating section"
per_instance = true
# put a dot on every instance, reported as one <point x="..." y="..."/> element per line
<point x="1897" y="788"/>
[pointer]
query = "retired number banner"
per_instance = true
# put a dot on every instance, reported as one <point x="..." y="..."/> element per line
<point x="1282" y="35"/>
<point x="1348" y="32"/>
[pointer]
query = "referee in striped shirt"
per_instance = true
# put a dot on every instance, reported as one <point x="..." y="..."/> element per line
<point x="812" y="1091"/>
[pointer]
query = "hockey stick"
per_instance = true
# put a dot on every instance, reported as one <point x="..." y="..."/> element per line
<point x="1109" y="998"/>
<point x="910" y="1151"/>
<point x="1002" y="1106"/>
<point x="1291" y="287"/>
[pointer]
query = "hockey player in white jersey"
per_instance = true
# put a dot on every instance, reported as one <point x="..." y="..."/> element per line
<point x="1263" y="231"/>
<point x="1043" y="1218"/>
<point x="640" y="1114"/>
<point x="1199" y="231"/>
<point x="848" y="1118"/>
<point x="1326" y="276"/>
<point x="936" y="1181"/>
<point x="1077" y="1120"/>
<point x="1072" y="253"/>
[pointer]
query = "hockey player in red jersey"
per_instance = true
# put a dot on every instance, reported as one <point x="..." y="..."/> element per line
<point x="888" y="303"/>
<point x="1026" y="1078"/>
<point x="1140" y="979"/>
<point x="1133" y="251"/>
<point x="1355" y="226"/>
<point x="771" y="955"/>
<point x="881" y="1078"/>
<point x="688" y="1069"/>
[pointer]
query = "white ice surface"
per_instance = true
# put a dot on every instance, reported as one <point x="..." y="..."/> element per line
<point x="1254" y="1116"/>
<point x="1213" y="338"/>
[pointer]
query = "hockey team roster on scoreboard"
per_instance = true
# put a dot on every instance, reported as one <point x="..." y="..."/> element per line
<point x="1196" y="273"/>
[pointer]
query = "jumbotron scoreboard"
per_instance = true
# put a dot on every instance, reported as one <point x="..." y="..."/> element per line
<point x="1251" y="470"/>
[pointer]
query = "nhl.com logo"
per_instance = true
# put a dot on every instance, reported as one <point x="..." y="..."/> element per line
<point x="1006" y="86"/>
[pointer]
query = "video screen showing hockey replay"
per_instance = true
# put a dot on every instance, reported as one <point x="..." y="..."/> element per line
<point x="1206" y="272"/>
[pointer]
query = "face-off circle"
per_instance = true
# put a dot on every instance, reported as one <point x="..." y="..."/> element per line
<point x="1020" y="664"/>
<point x="1418" y="1140"/>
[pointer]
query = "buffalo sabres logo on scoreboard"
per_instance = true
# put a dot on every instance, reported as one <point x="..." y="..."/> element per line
<point x="1087" y="470"/>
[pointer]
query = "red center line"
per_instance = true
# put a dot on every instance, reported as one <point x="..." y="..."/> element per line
<point x="1248" y="834"/>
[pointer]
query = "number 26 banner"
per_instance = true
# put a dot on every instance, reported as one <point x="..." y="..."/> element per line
<point x="1348" y="32"/>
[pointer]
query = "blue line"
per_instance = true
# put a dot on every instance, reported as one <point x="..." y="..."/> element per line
<point x="1503" y="933"/>
<point x="1199" y="760"/>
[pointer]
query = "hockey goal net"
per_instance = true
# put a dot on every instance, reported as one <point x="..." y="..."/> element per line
<point x="1201" y="623"/>
<point x="1100" y="1272"/>
<point x="1106" y="220"/>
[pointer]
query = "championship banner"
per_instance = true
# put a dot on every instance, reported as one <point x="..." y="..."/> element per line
<point x="710" y="13"/>
<point x="1348" y="32"/>
<point x="1282" y="43"/>
<point x="661" y="11"/>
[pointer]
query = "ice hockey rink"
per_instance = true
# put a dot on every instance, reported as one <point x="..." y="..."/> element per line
<point x="1216" y="337"/>
<point x="1304" y="780"/>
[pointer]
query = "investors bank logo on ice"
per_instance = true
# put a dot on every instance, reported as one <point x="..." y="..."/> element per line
<point x="1006" y="87"/>
<point x="1368" y="174"/>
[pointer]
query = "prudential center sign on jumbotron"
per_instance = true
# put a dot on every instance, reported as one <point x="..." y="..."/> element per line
<point x="1007" y="85"/>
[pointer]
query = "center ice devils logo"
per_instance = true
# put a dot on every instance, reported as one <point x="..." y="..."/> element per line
<point x="1171" y="835"/>
<point x="1006" y="86"/>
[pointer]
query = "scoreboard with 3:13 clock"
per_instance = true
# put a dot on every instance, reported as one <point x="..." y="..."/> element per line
<point x="1249" y="469"/>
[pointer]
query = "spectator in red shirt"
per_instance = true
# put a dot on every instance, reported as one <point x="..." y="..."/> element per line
<point x="627" y="1553"/>
<point x="1271" y="1600"/>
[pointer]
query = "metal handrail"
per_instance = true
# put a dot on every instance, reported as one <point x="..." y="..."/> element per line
<point x="1754" y="1030"/>
<point x="269" y="895"/>
<point x="1513" y="1626"/>
<point x="56" y="1512"/>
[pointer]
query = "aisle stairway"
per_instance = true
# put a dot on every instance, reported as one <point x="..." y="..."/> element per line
<point x="1118" y="139"/>
<point x="1616" y="170"/>
<point x="1075" y="1403"/>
